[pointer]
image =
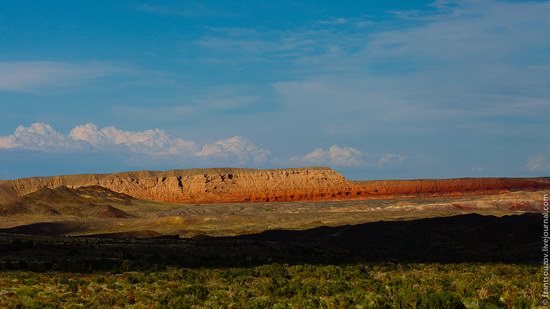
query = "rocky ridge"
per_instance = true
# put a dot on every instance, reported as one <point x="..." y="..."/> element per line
<point x="252" y="185"/>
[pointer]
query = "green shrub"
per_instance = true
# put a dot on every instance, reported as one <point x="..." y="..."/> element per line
<point x="441" y="300"/>
<point x="184" y="297"/>
<point x="281" y="286"/>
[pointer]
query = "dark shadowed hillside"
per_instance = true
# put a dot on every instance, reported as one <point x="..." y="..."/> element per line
<point x="464" y="238"/>
<point x="444" y="239"/>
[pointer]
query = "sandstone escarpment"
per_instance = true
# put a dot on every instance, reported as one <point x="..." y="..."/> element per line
<point x="196" y="185"/>
<point x="251" y="185"/>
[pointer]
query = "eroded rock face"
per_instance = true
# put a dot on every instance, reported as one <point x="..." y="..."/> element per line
<point x="251" y="185"/>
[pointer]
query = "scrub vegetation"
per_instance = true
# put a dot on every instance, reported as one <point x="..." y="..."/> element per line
<point x="377" y="285"/>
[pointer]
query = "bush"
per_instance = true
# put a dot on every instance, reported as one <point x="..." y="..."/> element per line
<point x="280" y="286"/>
<point x="441" y="300"/>
<point x="184" y="297"/>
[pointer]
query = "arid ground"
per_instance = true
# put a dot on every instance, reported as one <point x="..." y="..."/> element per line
<point x="344" y="242"/>
<point x="227" y="202"/>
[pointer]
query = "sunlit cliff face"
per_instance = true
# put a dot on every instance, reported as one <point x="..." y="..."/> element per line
<point x="249" y="185"/>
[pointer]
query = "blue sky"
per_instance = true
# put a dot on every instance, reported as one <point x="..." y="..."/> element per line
<point x="374" y="89"/>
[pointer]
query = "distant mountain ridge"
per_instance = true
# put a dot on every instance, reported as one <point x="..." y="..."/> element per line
<point x="217" y="185"/>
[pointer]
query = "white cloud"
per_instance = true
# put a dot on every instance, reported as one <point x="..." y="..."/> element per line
<point x="32" y="75"/>
<point x="39" y="136"/>
<point x="158" y="145"/>
<point x="345" y="156"/>
<point x="339" y="156"/>
<point x="469" y="31"/>
<point x="538" y="163"/>
<point x="334" y="155"/>
<point x="466" y="56"/>
<point x="239" y="147"/>
<point x="150" y="142"/>
<point x="154" y="143"/>
<point x="471" y="63"/>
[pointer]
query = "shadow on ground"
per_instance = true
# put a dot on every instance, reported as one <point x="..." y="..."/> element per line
<point x="462" y="238"/>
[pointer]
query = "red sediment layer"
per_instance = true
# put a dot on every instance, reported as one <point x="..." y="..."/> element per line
<point x="251" y="185"/>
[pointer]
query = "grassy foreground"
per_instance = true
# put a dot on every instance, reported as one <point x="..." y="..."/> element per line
<point x="282" y="286"/>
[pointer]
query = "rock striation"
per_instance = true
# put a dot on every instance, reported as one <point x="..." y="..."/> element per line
<point x="218" y="185"/>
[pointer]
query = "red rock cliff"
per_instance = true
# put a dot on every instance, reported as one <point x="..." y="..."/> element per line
<point x="251" y="185"/>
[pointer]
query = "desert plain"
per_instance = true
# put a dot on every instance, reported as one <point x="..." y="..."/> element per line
<point x="296" y="237"/>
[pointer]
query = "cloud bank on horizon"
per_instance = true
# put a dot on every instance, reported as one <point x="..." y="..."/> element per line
<point x="387" y="89"/>
<point x="155" y="144"/>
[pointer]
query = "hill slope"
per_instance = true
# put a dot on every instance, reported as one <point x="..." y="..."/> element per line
<point x="87" y="202"/>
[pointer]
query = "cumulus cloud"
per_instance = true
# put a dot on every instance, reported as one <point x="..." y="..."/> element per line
<point x="347" y="157"/>
<point x="335" y="155"/>
<point x="39" y="136"/>
<point x="151" y="143"/>
<point x="157" y="145"/>
<point x="237" y="146"/>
